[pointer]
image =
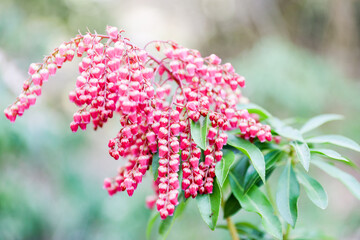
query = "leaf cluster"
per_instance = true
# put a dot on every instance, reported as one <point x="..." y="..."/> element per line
<point x="242" y="177"/>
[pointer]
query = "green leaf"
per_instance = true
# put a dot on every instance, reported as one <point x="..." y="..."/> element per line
<point x="289" y="132"/>
<point x="247" y="224"/>
<point x="313" y="189"/>
<point x="240" y="169"/>
<point x="287" y="195"/>
<point x="166" y="225"/>
<point x="209" y="206"/>
<point x="155" y="165"/>
<point x="333" y="155"/>
<point x="252" y="177"/>
<point x="180" y="176"/>
<point x="303" y="153"/>
<point x="318" y="121"/>
<point x="349" y="181"/>
<point x="292" y="121"/>
<point x="266" y="145"/>
<point x="232" y="205"/>
<point x="285" y="131"/>
<point x="199" y="131"/>
<point x="335" y="140"/>
<point x="329" y="154"/>
<point x="246" y="230"/>
<point x="151" y="222"/>
<point x="181" y="207"/>
<point x="256" y="201"/>
<point x="222" y="168"/>
<point x="251" y="151"/>
<point x="249" y="230"/>
<point x="253" y="108"/>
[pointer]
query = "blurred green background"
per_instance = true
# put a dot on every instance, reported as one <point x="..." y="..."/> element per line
<point x="300" y="58"/>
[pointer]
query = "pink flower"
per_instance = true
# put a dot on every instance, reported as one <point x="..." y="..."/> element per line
<point x="155" y="101"/>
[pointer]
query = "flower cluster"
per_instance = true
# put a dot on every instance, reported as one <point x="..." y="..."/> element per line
<point x="156" y="99"/>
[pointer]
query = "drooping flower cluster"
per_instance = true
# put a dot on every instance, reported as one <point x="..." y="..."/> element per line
<point x="155" y="113"/>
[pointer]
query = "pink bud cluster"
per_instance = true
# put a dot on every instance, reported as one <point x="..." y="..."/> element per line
<point x="113" y="77"/>
<point x="155" y="113"/>
<point x="198" y="177"/>
<point x="38" y="74"/>
<point x="168" y="150"/>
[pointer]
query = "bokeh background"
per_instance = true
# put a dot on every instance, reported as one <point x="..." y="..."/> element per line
<point x="300" y="58"/>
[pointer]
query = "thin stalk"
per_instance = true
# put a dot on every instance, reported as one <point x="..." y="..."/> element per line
<point x="287" y="232"/>
<point x="230" y="224"/>
<point x="232" y="229"/>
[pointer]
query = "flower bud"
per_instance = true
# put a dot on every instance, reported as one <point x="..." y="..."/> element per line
<point x="33" y="68"/>
<point x="112" y="32"/>
<point x="194" y="161"/>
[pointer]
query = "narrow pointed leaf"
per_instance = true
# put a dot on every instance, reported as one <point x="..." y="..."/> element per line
<point x="223" y="167"/>
<point x="249" y="230"/>
<point x="199" y="131"/>
<point x="151" y="222"/>
<point x="252" y="177"/>
<point x="303" y="153"/>
<point x="251" y="151"/>
<point x="349" y="181"/>
<point x="246" y="230"/>
<point x="232" y="205"/>
<point x="166" y="225"/>
<point x="240" y="169"/>
<point x="247" y="224"/>
<point x="209" y="206"/>
<point x="329" y="154"/>
<point x="318" y="121"/>
<point x="155" y="165"/>
<point x="333" y="155"/>
<point x="253" y="108"/>
<point x="292" y="121"/>
<point x="336" y="140"/>
<point x="283" y="130"/>
<point x="287" y="195"/>
<point x="313" y="189"/>
<point x="256" y="201"/>
<point x="289" y="132"/>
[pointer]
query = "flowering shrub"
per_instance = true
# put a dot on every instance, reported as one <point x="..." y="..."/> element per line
<point x="184" y="119"/>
